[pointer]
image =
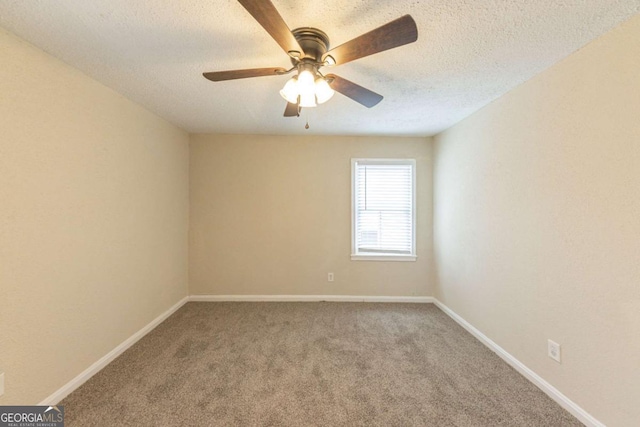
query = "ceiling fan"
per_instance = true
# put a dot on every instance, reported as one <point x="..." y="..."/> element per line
<point x="308" y="49"/>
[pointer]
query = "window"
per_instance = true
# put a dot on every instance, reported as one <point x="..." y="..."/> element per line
<point x="383" y="209"/>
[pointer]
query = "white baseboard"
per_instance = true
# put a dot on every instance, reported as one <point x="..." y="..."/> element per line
<point x="72" y="385"/>
<point x="308" y="298"/>
<point x="582" y="415"/>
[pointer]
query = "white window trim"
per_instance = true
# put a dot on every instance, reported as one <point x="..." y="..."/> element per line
<point x="359" y="256"/>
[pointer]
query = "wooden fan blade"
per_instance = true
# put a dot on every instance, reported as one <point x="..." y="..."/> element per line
<point x="267" y="15"/>
<point x="396" y="33"/>
<point x="291" y="110"/>
<point x="217" y="76"/>
<point x="356" y="92"/>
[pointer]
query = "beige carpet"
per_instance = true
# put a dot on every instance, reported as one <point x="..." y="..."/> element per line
<point x="310" y="364"/>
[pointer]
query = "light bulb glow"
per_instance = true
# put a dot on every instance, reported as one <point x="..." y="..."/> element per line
<point x="306" y="80"/>
<point x="323" y="90"/>
<point x="307" y="99"/>
<point x="307" y="89"/>
<point x="290" y="91"/>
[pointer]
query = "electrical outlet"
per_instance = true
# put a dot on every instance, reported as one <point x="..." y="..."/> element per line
<point x="1" y="383"/>
<point x="553" y="350"/>
<point x="330" y="277"/>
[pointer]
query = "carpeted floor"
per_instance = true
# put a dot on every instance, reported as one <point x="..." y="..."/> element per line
<point x="310" y="364"/>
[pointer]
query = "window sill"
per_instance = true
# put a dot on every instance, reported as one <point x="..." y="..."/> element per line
<point x="359" y="257"/>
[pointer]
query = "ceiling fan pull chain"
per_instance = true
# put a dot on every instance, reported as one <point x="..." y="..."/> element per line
<point x="306" y="115"/>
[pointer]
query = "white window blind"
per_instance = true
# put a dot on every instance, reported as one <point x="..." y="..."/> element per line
<point x="383" y="207"/>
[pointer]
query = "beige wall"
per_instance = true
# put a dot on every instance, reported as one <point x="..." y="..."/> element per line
<point x="93" y="220"/>
<point x="537" y="223"/>
<point x="271" y="215"/>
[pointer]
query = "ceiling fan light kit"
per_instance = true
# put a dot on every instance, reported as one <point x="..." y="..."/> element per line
<point x="308" y="49"/>
<point x="309" y="88"/>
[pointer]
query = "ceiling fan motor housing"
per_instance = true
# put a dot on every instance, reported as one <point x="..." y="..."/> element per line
<point x="313" y="42"/>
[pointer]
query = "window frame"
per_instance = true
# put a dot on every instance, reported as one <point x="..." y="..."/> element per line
<point x="368" y="256"/>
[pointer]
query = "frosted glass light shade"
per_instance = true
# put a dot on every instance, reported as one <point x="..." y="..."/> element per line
<point x="307" y="99"/>
<point x="323" y="91"/>
<point x="305" y="81"/>
<point x="307" y="89"/>
<point x="290" y="91"/>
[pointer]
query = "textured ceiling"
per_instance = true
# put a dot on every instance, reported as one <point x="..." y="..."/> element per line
<point x="467" y="54"/>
